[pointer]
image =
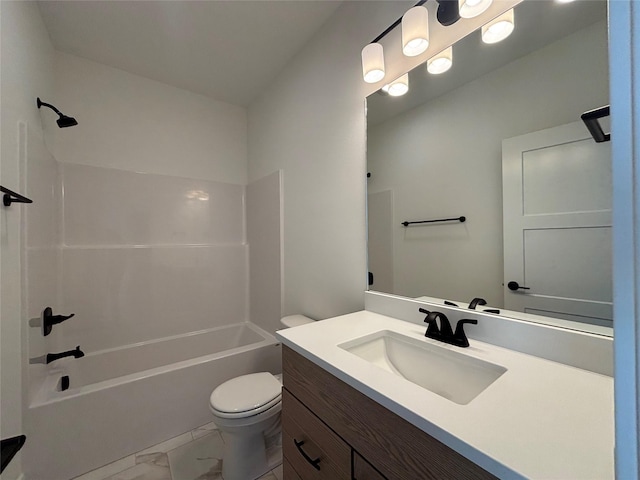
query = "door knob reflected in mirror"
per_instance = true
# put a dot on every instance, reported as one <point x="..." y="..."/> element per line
<point x="516" y="286"/>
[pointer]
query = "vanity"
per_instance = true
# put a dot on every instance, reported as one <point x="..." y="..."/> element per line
<point x="356" y="407"/>
<point x="482" y="181"/>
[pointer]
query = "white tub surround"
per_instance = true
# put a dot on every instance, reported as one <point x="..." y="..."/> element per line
<point x="123" y="400"/>
<point x="540" y="419"/>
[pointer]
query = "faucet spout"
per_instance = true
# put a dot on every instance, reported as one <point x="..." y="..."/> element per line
<point x="75" y="353"/>
<point x="443" y="332"/>
<point x="477" y="301"/>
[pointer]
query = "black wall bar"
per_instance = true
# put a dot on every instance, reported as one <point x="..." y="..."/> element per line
<point x="590" y="119"/>
<point x="10" y="197"/>
<point x="455" y="219"/>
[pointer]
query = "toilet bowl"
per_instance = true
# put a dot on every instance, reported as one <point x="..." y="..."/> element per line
<point x="246" y="410"/>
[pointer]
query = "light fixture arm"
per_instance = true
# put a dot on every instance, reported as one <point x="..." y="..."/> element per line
<point x="394" y="25"/>
<point x="447" y="15"/>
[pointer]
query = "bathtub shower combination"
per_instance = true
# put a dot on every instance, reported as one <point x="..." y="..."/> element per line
<point x="155" y="270"/>
<point x="123" y="400"/>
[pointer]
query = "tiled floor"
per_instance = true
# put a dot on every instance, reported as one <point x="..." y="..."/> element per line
<point x="195" y="455"/>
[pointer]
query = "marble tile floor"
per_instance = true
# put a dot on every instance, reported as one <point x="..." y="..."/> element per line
<point x="195" y="455"/>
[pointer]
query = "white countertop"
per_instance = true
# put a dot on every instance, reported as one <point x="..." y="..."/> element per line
<point x="539" y="420"/>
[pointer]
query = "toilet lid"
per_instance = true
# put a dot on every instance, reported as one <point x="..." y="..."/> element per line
<point x="246" y="393"/>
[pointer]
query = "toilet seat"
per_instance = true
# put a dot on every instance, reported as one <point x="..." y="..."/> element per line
<point x="246" y="396"/>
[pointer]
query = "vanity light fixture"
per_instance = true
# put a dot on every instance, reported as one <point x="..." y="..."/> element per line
<point x="473" y="8"/>
<point x="415" y="36"/>
<point x="399" y="86"/>
<point x="373" y="63"/>
<point x="441" y="62"/>
<point x="499" y="28"/>
<point x="415" y="31"/>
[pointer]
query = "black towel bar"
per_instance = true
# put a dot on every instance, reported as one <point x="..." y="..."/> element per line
<point x="10" y="196"/>
<point x="456" y="219"/>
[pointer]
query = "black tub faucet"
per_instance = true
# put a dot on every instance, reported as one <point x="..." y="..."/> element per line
<point x="76" y="353"/>
<point x="49" y="320"/>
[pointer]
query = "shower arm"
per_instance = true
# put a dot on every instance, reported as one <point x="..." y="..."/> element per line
<point x="41" y="103"/>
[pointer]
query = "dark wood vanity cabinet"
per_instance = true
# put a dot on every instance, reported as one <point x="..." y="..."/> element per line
<point x="332" y="431"/>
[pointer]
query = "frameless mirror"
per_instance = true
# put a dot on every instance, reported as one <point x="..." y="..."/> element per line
<point x="498" y="139"/>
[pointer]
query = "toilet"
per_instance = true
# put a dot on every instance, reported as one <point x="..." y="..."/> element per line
<point x="246" y="410"/>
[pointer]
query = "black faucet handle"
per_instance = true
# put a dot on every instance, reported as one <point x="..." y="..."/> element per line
<point x="432" y="330"/>
<point x="459" y="337"/>
<point x="422" y="310"/>
<point x="49" y="320"/>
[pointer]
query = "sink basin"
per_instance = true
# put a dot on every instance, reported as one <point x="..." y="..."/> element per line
<point x="441" y="370"/>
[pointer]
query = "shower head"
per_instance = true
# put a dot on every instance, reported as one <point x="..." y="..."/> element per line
<point x="63" y="121"/>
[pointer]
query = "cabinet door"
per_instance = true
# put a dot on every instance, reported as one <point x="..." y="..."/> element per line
<point x="288" y="471"/>
<point x="314" y="451"/>
<point x="362" y="470"/>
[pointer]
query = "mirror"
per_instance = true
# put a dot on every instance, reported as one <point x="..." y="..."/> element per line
<point x="498" y="139"/>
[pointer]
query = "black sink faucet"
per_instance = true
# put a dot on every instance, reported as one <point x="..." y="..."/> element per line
<point x="444" y="333"/>
<point x="76" y="353"/>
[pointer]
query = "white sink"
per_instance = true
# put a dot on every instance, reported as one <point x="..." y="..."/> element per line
<point x="440" y="369"/>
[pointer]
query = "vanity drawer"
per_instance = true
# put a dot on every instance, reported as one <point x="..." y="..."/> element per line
<point x="320" y="443"/>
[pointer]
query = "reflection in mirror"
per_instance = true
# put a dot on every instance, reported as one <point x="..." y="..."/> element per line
<point x="498" y="139"/>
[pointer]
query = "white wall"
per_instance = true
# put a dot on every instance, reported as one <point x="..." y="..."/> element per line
<point x="624" y="17"/>
<point x="27" y="64"/>
<point x="310" y="123"/>
<point x="264" y="234"/>
<point x="136" y="124"/>
<point x="435" y="172"/>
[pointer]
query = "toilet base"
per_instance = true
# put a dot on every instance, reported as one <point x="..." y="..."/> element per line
<point x="247" y="458"/>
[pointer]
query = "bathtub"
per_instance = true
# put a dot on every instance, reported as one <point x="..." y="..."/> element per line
<point x="123" y="400"/>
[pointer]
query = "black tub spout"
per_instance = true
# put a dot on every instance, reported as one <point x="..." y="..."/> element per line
<point x="76" y="353"/>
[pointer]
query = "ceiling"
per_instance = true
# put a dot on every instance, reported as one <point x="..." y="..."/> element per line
<point x="227" y="50"/>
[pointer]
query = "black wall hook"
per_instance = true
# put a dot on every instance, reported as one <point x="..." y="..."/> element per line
<point x="10" y="197"/>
